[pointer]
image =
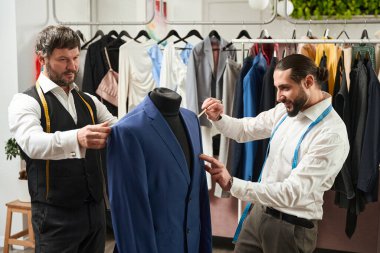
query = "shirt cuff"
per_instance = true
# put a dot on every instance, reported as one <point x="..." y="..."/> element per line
<point x="220" y="124"/>
<point x="71" y="146"/>
<point x="238" y="188"/>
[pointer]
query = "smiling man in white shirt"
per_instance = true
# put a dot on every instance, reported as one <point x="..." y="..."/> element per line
<point x="308" y="146"/>
<point x="60" y="131"/>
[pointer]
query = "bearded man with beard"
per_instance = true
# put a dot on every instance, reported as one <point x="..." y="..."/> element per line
<point x="60" y="130"/>
<point x="308" y="146"/>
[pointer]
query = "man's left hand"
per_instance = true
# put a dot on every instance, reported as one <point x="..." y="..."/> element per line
<point x="218" y="172"/>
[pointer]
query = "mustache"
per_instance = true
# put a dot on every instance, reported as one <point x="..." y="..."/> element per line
<point x="70" y="72"/>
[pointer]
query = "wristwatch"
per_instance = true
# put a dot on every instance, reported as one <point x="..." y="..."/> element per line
<point x="230" y="182"/>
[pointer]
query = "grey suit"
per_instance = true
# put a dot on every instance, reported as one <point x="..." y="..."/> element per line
<point x="201" y="83"/>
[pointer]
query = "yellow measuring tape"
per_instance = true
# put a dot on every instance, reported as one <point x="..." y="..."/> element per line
<point x="48" y="130"/>
<point x="48" y="127"/>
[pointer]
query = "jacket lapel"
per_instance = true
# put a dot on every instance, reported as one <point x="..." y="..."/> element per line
<point x="163" y="130"/>
<point x="223" y="56"/>
<point x="208" y="53"/>
<point x="192" y="131"/>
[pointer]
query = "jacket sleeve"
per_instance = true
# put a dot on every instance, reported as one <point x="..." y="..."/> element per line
<point x="191" y="84"/>
<point x="128" y="191"/>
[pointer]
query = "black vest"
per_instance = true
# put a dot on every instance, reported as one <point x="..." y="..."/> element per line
<point x="71" y="181"/>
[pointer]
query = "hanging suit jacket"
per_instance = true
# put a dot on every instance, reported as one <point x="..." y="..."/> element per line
<point x="368" y="178"/>
<point x="200" y="80"/>
<point x="252" y="86"/>
<point x="237" y="112"/>
<point x="358" y="104"/>
<point x="267" y="102"/>
<point x="343" y="184"/>
<point x="156" y="205"/>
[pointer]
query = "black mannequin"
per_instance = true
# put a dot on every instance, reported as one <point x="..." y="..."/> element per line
<point x="168" y="103"/>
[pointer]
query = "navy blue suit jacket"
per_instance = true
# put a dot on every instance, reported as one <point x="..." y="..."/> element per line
<point x="156" y="205"/>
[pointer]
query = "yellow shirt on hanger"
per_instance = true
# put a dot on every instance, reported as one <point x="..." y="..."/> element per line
<point x="332" y="53"/>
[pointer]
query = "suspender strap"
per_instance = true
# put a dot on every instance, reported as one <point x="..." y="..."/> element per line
<point x="48" y="130"/>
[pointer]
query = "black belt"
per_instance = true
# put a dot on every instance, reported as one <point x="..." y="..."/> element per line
<point x="289" y="218"/>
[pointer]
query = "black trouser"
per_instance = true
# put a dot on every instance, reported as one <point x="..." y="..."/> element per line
<point x="69" y="230"/>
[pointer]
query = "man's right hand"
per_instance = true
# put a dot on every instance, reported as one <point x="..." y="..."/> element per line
<point x="214" y="108"/>
<point x="94" y="136"/>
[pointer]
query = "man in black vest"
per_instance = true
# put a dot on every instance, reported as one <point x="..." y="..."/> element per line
<point x="60" y="131"/>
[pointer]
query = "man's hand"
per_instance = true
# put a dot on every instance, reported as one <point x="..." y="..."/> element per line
<point x="218" y="172"/>
<point x="214" y="108"/>
<point x="94" y="136"/>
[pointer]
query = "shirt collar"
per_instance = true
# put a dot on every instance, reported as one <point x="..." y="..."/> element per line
<point x="48" y="85"/>
<point x="316" y="110"/>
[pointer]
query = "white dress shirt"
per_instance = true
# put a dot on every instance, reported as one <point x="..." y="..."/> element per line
<point x="173" y="72"/>
<point x="24" y="115"/>
<point x="321" y="156"/>
<point x="135" y="75"/>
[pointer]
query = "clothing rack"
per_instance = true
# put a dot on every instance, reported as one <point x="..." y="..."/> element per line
<point x="105" y="23"/>
<point x="308" y="41"/>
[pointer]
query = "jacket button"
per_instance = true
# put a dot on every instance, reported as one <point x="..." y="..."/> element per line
<point x="188" y="230"/>
<point x="190" y="199"/>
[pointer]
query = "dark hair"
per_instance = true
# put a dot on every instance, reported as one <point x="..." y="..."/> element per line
<point x="53" y="37"/>
<point x="301" y="67"/>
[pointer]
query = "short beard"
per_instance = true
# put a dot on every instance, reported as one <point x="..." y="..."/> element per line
<point x="57" y="78"/>
<point x="298" y="104"/>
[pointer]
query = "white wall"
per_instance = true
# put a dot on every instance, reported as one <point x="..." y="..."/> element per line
<point x="8" y="84"/>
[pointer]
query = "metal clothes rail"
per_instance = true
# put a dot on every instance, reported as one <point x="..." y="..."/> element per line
<point x="309" y="41"/>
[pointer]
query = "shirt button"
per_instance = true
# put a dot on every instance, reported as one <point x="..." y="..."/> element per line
<point x="73" y="154"/>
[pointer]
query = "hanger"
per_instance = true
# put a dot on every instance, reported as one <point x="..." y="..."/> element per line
<point x="264" y="34"/>
<point x="189" y="34"/>
<point x="309" y="34"/>
<point x="214" y="34"/>
<point x="365" y="34"/>
<point x="113" y="33"/>
<point x="294" y="36"/>
<point x="118" y="39"/>
<point x="124" y="33"/>
<point x="242" y="33"/>
<point x="140" y="34"/>
<point x="170" y="33"/>
<point x="97" y="34"/>
<point x="341" y="33"/>
<point x="326" y="33"/>
<point x="80" y="35"/>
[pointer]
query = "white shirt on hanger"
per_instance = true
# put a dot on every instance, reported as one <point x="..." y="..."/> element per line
<point x="135" y="75"/>
<point x="24" y="114"/>
<point x="173" y="71"/>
